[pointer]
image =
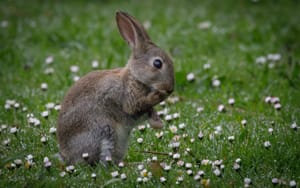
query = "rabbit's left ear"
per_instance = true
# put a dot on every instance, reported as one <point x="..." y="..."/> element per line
<point x="131" y="30"/>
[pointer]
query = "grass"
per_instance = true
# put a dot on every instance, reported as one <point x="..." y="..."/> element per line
<point x="79" y="32"/>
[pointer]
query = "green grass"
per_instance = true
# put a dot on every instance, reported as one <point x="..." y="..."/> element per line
<point x="82" y="31"/>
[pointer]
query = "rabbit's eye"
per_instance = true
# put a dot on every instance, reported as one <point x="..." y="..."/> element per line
<point x="157" y="63"/>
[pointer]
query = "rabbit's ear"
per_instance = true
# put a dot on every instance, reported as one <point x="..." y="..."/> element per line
<point x="131" y="30"/>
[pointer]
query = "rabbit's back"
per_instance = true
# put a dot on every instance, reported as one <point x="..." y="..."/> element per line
<point x="90" y="115"/>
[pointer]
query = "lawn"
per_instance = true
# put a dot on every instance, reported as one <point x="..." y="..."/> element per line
<point x="232" y="121"/>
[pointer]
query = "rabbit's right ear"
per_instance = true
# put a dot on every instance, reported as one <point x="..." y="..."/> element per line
<point x="131" y="30"/>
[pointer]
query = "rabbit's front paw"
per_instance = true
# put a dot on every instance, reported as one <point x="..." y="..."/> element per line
<point x="154" y="120"/>
<point x="156" y="97"/>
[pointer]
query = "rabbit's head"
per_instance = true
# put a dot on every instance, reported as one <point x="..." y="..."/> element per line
<point x="148" y="63"/>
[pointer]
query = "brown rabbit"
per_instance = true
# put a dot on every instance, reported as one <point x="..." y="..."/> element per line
<point x="100" y="110"/>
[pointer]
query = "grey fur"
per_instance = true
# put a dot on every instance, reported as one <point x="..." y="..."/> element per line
<point x="100" y="110"/>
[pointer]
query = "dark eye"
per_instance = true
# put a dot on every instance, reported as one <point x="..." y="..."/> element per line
<point x="157" y="63"/>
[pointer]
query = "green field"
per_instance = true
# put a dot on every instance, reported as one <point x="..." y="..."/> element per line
<point x="248" y="51"/>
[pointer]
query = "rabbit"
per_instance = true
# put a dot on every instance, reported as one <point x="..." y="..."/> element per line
<point x="100" y="110"/>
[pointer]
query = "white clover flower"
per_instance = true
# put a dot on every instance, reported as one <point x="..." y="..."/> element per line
<point x="206" y="66"/>
<point x="17" y="105"/>
<point x="231" y="138"/>
<point x="261" y="60"/>
<point x="50" y="105"/>
<point x="293" y="183"/>
<point x="238" y="160"/>
<point x="162" y="103"/>
<point x="85" y="155"/>
<point x="6" y="142"/>
<point x="200" y="135"/>
<point x="173" y="129"/>
<point x="45" y="114"/>
<point x="294" y="126"/>
<point x="231" y="101"/>
<point x="176" y="156"/>
<point x="115" y="174"/>
<point x="179" y="179"/>
<point x="159" y="134"/>
<point x="277" y="106"/>
<point x="190" y="77"/>
<point x="95" y="64"/>
<point x="93" y="175"/>
<point x="162" y="179"/>
<point x="44" y="86"/>
<point x="18" y="162"/>
<point x="181" y="125"/>
<point x="52" y="130"/>
<point x="147" y="24"/>
<point x="29" y="157"/>
<point x="274" y="57"/>
<point x="139" y="179"/>
<point x="121" y="164"/>
<point x="268" y="99"/>
<point x="244" y="122"/>
<point x="13" y="130"/>
<point x="168" y="117"/>
<point x="267" y="144"/>
<point x="108" y="159"/>
<point x="3" y="126"/>
<point x="188" y="165"/>
<point x="180" y="163"/>
<point x="205" y="162"/>
<point x="44" y="139"/>
<point x="123" y="176"/>
<point x="189" y="172"/>
<point x="175" y="115"/>
<point x="46" y="159"/>
<point x="173" y="100"/>
<point x="192" y="140"/>
<point x="217" y="172"/>
<point x="167" y="167"/>
<point x="217" y="162"/>
<point x="49" y="60"/>
<point x="74" y="68"/>
<point x="154" y="158"/>
<point x="221" y="108"/>
<point x="216" y="83"/>
<point x="49" y="71"/>
<point x="218" y="129"/>
<point x="140" y="140"/>
<point x="57" y="107"/>
<point x="70" y="168"/>
<point x="140" y="167"/>
<point x="76" y="78"/>
<point x="200" y="109"/>
<point x="236" y="166"/>
<point x="275" y="180"/>
<point x="62" y="174"/>
<point x="247" y="181"/>
<point x="201" y="173"/>
<point x="204" y="25"/>
<point x="141" y="127"/>
<point x="197" y="177"/>
<point x="270" y="130"/>
<point x="47" y="164"/>
<point x="275" y="100"/>
<point x="174" y="145"/>
<point x="163" y="112"/>
<point x="7" y="106"/>
<point x="4" y="23"/>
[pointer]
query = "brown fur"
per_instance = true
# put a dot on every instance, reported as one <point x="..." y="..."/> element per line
<point x="100" y="110"/>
